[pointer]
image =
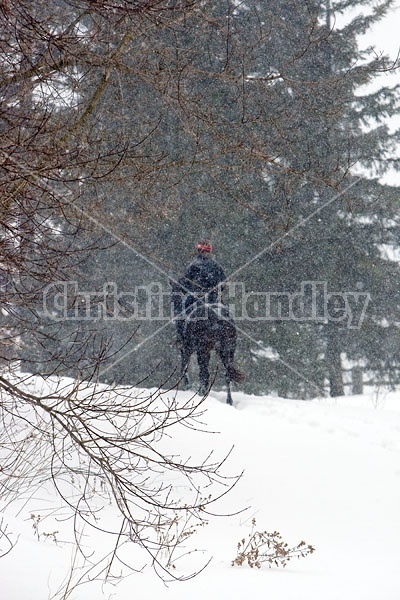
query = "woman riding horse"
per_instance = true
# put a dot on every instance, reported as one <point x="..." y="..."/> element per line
<point x="202" y="323"/>
<point x="203" y="276"/>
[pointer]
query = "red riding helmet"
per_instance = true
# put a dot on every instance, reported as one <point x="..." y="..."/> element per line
<point x="204" y="247"/>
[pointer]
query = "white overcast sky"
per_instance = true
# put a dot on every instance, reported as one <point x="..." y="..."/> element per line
<point x="385" y="36"/>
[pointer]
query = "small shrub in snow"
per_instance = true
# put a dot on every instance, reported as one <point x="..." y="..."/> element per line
<point x="263" y="547"/>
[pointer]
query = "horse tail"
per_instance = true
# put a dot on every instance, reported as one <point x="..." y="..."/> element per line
<point x="235" y="375"/>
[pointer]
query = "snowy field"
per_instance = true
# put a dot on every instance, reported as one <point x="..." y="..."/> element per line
<point x="326" y="471"/>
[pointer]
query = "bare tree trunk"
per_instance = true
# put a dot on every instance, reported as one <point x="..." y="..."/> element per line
<point x="357" y="383"/>
<point x="334" y="363"/>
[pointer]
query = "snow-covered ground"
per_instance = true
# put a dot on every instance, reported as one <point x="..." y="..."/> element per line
<point x="326" y="471"/>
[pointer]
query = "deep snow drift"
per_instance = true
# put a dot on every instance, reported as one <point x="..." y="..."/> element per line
<point x="326" y="471"/>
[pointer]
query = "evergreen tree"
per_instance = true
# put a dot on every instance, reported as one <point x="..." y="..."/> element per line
<point x="336" y="219"/>
<point x="210" y="140"/>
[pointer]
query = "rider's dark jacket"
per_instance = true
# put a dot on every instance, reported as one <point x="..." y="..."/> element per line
<point x="204" y="275"/>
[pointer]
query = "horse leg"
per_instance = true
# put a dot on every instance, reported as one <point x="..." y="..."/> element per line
<point x="203" y="359"/>
<point x="226" y="356"/>
<point x="229" y="394"/>
<point x="185" y="358"/>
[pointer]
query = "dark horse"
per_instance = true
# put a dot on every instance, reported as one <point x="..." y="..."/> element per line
<point x="205" y="327"/>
